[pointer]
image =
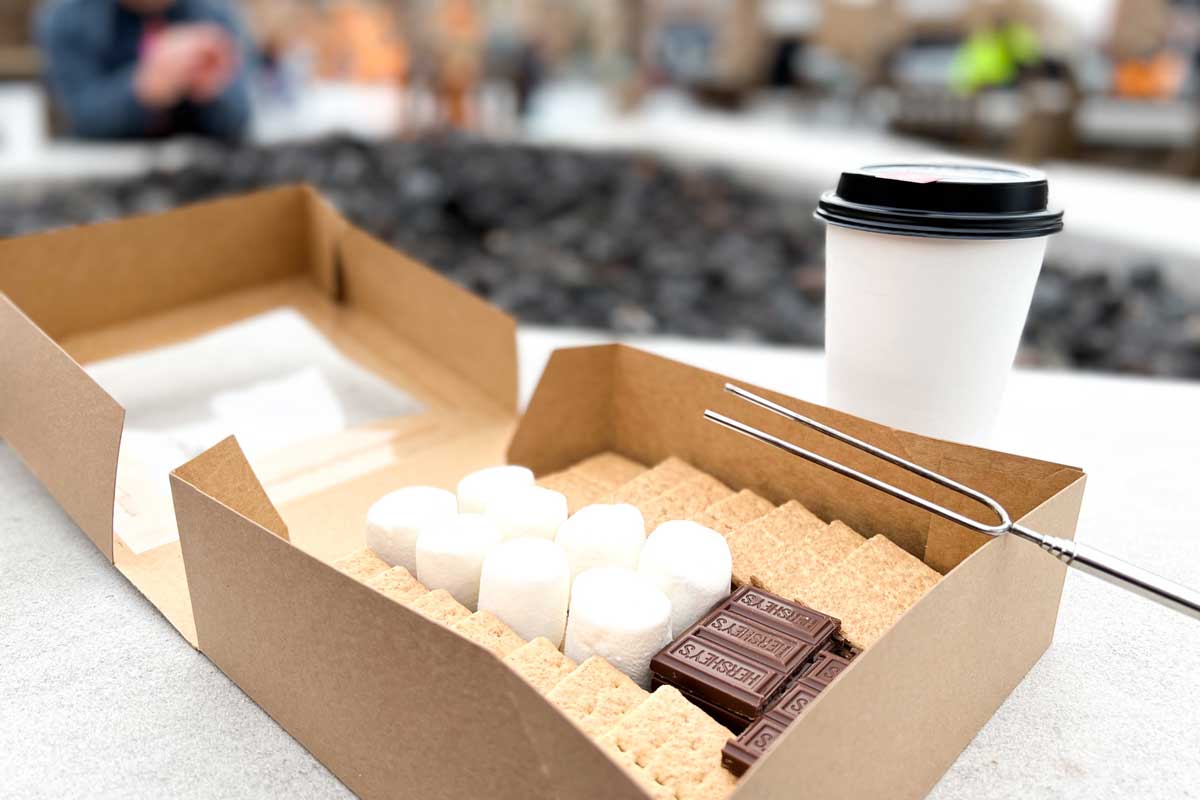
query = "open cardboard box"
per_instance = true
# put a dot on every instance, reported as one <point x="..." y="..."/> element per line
<point x="395" y="704"/>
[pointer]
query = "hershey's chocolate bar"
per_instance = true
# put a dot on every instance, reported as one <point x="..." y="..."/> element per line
<point x="787" y="616"/>
<point x="718" y="675"/>
<point x="737" y="756"/>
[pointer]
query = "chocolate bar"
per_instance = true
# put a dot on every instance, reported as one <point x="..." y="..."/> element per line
<point x="724" y="677"/>
<point x="825" y="668"/>
<point x="787" y="616"/>
<point x="742" y="654"/>
<point x="738" y="755"/>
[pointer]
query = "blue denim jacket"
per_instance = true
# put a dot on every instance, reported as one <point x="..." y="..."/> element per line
<point x="91" y="51"/>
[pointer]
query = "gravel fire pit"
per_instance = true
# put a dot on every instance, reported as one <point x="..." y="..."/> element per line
<point x="622" y="243"/>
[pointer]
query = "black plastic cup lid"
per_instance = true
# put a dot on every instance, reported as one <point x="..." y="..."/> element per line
<point x="951" y="201"/>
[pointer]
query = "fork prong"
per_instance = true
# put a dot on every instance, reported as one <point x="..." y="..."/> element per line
<point x="1003" y="526"/>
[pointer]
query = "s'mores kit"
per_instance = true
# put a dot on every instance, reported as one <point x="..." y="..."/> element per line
<point x="605" y="596"/>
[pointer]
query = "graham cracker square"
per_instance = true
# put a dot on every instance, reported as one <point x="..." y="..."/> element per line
<point x="361" y="564"/>
<point x="758" y="545"/>
<point x="684" y="500"/>
<point x="655" y="481"/>
<point x="398" y="584"/>
<point x="440" y="606"/>
<point x="668" y="741"/>
<point x="540" y="663"/>
<point x="609" y="469"/>
<point x="730" y="513"/>
<point x="579" y="490"/>
<point x="871" y="588"/>
<point x="596" y="694"/>
<point x="485" y="628"/>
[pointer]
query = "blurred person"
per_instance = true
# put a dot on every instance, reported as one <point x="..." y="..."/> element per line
<point x="146" y="68"/>
<point x="458" y="60"/>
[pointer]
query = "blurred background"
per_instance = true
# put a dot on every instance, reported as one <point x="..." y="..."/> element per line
<point x="634" y="166"/>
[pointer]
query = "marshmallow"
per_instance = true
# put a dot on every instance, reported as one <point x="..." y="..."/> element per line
<point x="526" y="582"/>
<point x="603" y="535"/>
<point x="450" y="553"/>
<point x="395" y="519"/>
<point x="528" y="511"/>
<point x="476" y="489"/>
<point x="621" y="616"/>
<point x="691" y="565"/>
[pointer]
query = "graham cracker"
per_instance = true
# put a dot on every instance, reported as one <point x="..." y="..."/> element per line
<point x="485" y="628"/>
<point x="440" y="606"/>
<point x="655" y="481"/>
<point x="609" y="469"/>
<point x="666" y="741"/>
<point x="579" y="490"/>
<point x="361" y="564"/>
<point x="757" y="545"/>
<point x="871" y="588"/>
<point x="730" y="513"/>
<point x="398" y="584"/>
<point x="684" y="500"/>
<point x="596" y="694"/>
<point x="540" y="663"/>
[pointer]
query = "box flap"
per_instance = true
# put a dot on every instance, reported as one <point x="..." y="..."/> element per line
<point x="463" y="332"/>
<point x="88" y="277"/>
<point x="223" y="471"/>
<point x="62" y="424"/>
<point x="653" y="408"/>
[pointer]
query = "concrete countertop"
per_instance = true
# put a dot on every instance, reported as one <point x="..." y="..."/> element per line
<point x="99" y="697"/>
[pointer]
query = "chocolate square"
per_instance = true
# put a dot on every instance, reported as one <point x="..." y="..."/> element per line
<point x="825" y="668"/>
<point x="737" y="756"/>
<point x="791" y="703"/>
<point x="717" y="674"/>
<point x="788" y="616"/>
<point x="766" y="644"/>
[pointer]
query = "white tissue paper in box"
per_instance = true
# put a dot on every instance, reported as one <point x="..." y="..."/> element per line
<point x="271" y="380"/>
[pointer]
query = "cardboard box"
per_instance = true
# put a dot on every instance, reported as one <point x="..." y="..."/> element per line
<point x="391" y="702"/>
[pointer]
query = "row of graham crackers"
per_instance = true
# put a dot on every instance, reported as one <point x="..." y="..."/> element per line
<point x="867" y="583"/>
<point x="670" y="746"/>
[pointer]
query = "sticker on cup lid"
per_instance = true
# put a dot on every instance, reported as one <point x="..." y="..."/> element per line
<point x="950" y="200"/>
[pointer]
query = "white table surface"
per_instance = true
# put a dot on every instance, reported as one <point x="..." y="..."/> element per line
<point x="99" y="697"/>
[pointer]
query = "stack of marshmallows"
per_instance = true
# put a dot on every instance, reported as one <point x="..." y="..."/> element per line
<point x="593" y="583"/>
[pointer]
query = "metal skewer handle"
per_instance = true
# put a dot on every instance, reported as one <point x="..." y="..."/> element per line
<point x="1082" y="557"/>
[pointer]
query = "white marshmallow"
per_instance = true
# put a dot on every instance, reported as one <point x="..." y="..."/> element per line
<point x="620" y="615"/>
<point x="450" y="554"/>
<point x="476" y="489"/>
<point x="526" y="583"/>
<point x="603" y="535"/>
<point x="395" y="519"/>
<point x="528" y="511"/>
<point x="691" y="564"/>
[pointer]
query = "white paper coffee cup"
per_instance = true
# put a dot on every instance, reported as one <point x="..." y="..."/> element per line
<point x="930" y="270"/>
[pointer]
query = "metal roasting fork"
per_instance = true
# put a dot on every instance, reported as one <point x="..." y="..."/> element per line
<point x="1082" y="557"/>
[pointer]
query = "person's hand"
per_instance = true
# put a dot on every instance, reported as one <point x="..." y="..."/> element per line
<point x="194" y="61"/>
<point x="217" y="65"/>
